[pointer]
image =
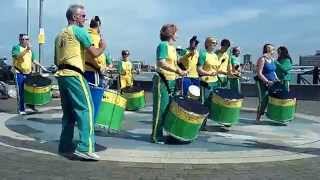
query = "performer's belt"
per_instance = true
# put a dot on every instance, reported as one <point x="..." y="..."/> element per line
<point x="70" y="67"/>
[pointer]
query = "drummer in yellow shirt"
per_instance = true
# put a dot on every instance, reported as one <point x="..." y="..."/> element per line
<point x="225" y="64"/>
<point x="94" y="67"/>
<point x="23" y="60"/>
<point x="208" y="67"/>
<point x="125" y="69"/>
<point x="189" y="61"/>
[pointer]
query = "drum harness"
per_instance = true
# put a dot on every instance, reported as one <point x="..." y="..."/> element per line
<point x="171" y="94"/>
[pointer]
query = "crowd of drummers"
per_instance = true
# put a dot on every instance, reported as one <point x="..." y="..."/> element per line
<point x="204" y="69"/>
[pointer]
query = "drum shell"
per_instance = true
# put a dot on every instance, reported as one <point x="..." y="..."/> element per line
<point x="281" y="110"/>
<point x="111" y="111"/>
<point x="135" y="100"/>
<point x="225" y="111"/>
<point x="181" y="124"/>
<point x="36" y="94"/>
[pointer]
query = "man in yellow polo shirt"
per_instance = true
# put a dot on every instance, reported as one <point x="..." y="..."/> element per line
<point x="76" y="100"/>
<point x="189" y="61"/>
<point x="225" y="65"/>
<point x="23" y="58"/>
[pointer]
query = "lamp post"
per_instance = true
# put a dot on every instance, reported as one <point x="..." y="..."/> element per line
<point x="41" y="36"/>
<point x="28" y="17"/>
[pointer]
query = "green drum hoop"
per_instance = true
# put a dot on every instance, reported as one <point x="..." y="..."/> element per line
<point x="281" y="110"/>
<point x="111" y="111"/>
<point x="183" y="124"/>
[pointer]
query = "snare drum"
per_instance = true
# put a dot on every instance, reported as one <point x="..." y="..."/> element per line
<point x="184" y="118"/>
<point x="135" y="98"/>
<point x="37" y="90"/>
<point x="225" y="106"/>
<point x="111" y="111"/>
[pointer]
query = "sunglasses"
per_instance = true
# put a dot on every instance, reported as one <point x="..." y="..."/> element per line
<point x="25" y="39"/>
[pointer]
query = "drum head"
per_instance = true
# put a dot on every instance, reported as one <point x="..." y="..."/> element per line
<point x="132" y="89"/>
<point x="37" y="81"/>
<point x="192" y="105"/>
<point x="194" y="91"/>
<point x="228" y="93"/>
<point x="277" y="90"/>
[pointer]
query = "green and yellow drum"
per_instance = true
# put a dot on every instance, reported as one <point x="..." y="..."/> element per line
<point x="281" y="108"/>
<point x="225" y="106"/>
<point x="111" y="110"/>
<point x="135" y="98"/>
<point x="37" y="90"/>
<point x="184" y="118"/>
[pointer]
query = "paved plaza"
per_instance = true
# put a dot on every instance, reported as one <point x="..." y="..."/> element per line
<point x="28" y="146"/>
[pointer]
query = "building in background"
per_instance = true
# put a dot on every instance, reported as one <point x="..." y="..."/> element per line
<point x="311" y="60"/>
<point x="246" y="58"/>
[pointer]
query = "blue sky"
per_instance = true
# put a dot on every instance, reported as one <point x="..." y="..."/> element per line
<point x="135" y="25"/>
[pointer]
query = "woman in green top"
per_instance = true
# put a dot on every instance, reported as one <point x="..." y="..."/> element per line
<point x="284" y="65"/>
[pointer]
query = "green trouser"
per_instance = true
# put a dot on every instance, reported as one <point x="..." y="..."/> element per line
<point x="223" y="81"/>
<point x="77" y="107"/>
<point x="286" y="84"/>
<point x="161" y="100"/>
<point x="205" y="94"/>
<point x="263" y="97"/>
<point x="235" y="84"/>
<point x="205" y="91"/>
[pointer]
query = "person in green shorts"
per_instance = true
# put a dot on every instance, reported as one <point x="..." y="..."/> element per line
<point x="224" y="59"/>
<point x="234" y="81"/>
<point x="76" y="100"/>
<point x="283" y="66"/>
<point x="164" y="80"/>
<point x="208" y="67"/>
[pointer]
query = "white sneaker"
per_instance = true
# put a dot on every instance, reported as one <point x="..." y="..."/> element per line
<point x="22" y="113"/>
<point x="87" y="155"/>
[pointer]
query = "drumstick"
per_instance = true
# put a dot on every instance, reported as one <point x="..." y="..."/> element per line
<point x="42" y="67"/>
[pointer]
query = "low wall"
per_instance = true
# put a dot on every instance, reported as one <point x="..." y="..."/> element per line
<point x="302" y="92"/>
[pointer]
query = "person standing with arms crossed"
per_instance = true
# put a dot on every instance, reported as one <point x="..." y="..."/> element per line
<point x="164" y="81"/>
<point x="76" y="101"/>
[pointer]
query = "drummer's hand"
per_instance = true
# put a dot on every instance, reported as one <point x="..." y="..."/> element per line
<point x="213" y="73"/>
<point x="102" y="44"/>
<point x="181" y="72"/>
<point x="269" y="83"/>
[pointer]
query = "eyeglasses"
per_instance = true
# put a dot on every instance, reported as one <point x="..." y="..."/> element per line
<point x="25" y="39"/>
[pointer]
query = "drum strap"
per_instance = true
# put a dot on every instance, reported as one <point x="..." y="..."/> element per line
<point x="70" y="67"/>
<point x="204" y="84"/>
<point x="165" y="82"/>
<point x="92" y="66"/>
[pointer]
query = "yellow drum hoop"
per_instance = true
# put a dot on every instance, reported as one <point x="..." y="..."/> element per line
<point x="282" y="102"/>
<point x="189" y="117"/>
<point x="34" y="89"/>
<point x="229" y="103"/>
<point x="114" y="98"/>
<point x="134" y="95"/>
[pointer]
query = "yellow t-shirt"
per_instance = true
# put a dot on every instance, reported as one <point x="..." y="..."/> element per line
<point x="225" y="65"/>
<point x="99" y="62"/>
<point x="167" y="52"/>
<point x="24" y="63"/>
<point x="190" y="62"/>
<point x="69" y="49"/>
<point x="210" y="63"/>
